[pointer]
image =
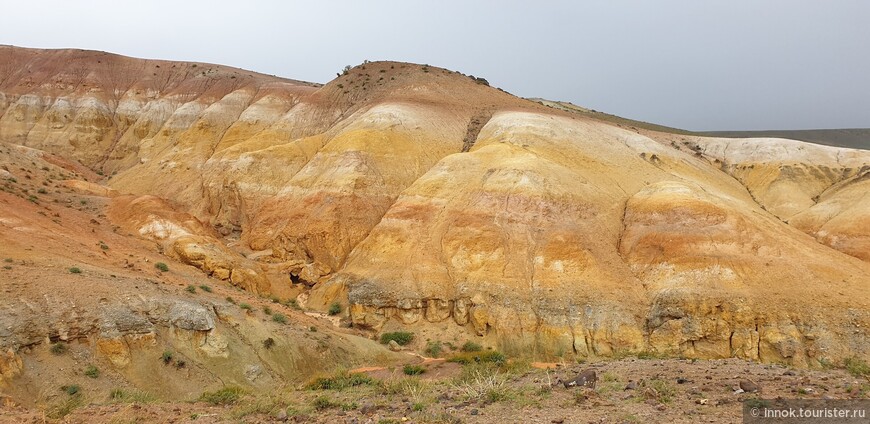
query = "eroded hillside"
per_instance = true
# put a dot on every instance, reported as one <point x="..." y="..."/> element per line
<point x="423" y="199"/>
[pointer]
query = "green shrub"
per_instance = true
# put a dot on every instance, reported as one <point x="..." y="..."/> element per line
<point x="162" y="266"/>
<point x="8" y="260"/>
<point x="433" y="349"/>
<point x="293" y="303"/>
<point x="413" y="369"/>
<point x="92" y="371"/>
<point x="191" y="288"/>
<point x="246" y="306"/>
<point x="58" y="348"/>
<point x="71" y="389"/>
<point x="279" y="318"/>
<point x="104" y="246"/>
<point x="856" y="367"/>
<point x="231" y="300"/>
<point x="268" y="343"/>
<point x="403" y="338"/>
<point x="340" y="381"/>
<point x="65" y="407"/>
<point x="826" y="363"/>
<point x="205" y="288"/>
<point x="322" y="402"/>
<point x="335" y="308"/>
<point x="471" y="347"/>
<point x="166" y="357"/>
<point x="267" y="310"/>
<point x="490" y="356"/>
<point x="225" y="396"/>
<point x="75" y="270"/>
<point x="663" y="391"/>
<point x="648" y="355"/>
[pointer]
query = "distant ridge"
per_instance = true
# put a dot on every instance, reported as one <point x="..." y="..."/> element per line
<point x="854" y="138"/>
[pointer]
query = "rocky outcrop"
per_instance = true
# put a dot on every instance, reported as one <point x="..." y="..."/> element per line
<point x="184" y="237"/>
<point x="10" y="366"/>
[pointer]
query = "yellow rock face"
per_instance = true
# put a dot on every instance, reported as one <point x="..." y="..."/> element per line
<point x="423" y="199"/>
<point x="10" y="366"/>
<point x="841" y="218"/>
<point x="551" y="237"/>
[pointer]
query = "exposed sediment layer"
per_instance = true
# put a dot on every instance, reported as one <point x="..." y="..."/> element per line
<point x="424" y="198"/>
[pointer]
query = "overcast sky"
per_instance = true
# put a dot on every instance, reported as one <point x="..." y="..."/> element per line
<point x="698" y="65"/>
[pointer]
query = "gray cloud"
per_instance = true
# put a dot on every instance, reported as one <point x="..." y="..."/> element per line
<point x="701" y="65"/>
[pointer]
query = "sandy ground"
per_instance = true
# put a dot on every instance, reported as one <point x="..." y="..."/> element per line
<point x="673" y="390"/>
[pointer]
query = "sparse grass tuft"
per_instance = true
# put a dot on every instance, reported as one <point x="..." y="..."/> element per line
<point x="857" y="367"/>
<point x="267" y="310"/>
<point x="403" y="338"/>
<point x="191" y="289"/>
<point x="92" y="371"/>
<point x="166" y="357"/>
<point x="757" y="403"/>
<point x="293" y="303"/>
<point x="433" y="349"/>
<point x="279" y="318"/>
<point x="663" y="391"/>
<point x="471" y="347"/>
<point x="490" y="356"/>
<point x="58" y="348"/>
<point x="321" y="403"/>
<point x="130" y="396"/>
<point x="161" y="266"/>
<point x="225" y="396"/>
<point x="66" y="407"/>
<point x="246" y="306"/>
<point x="75" y="270"/>
<point x="335" y="308"/>
<point x="483" y="382"/>
<point x="340" y="381"/>
<point x="205" y="288"/>
<point x="258" y="405"/>
<point x="610" y="386"/>
<point x="413" y="369"/>
<point x="231" y="300"/>
<point x="647" y="355"/>
<point x="608" y="377"/>
<point x="268" y="343"/>
<point x="71" y="390"/>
